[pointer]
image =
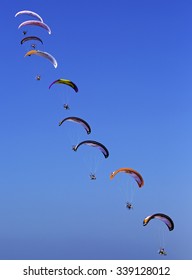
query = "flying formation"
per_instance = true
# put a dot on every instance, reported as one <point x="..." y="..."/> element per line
<point x="34" y="22"/>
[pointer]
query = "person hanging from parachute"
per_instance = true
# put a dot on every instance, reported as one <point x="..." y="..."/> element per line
<point x="134" y="174"/>
<point x="68" y="83"/>
<point x="166" y="220"/>
<point x="95" y="144"/>
<point x="92" y="176"/>
<point x="129" y="205"/>
<point x="38" y="77"/>
<point x="44" y="55"/>
<point x="66" y="106"/>
<point x="162" y="252"/>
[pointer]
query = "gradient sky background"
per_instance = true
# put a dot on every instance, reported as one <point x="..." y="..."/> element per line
<point x="132" y="62"/>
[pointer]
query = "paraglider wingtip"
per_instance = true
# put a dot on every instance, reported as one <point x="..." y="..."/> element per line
<point x="144" y="223"/>
<point x="111" y="175"/>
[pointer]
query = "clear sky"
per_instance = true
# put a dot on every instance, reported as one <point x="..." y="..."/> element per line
<point x="132" y="63"/>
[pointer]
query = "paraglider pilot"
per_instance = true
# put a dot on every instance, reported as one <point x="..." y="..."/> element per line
<point x="38" y="77"/>
<point x="66" y="106"/>
<point x="129" y="205"/>
<point x="162" y="252"/>
<point x="92" y="176"/>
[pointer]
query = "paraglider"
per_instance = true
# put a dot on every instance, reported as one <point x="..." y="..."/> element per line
<point x="35" y="23"/>
<point x="31" y="38"/>
<point x="162" y="217"/>
<point x="29" y="13"/>
<point x="66" y="82"/>
<point x="136" y="175"/>
<point x="85" y="125"/>
<point x="43" y="54"/>
<point x="97" y="145"/>
<point x="166" y="220"/>
<point x="92" y="143"/>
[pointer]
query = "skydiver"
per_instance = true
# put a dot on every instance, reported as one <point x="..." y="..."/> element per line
<point x="33" y="46"/>
<point x="66" y="106"/>
<point x="162" y="252"/>
<point x="24" y="32"/>
<point x="92" y="176"/>
<point x="129" y="205"/>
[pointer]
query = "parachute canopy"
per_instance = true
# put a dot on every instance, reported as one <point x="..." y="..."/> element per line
<point x="66" y="82"/>
<point x="35" y="23"/>
<point x="162" y="217"/>
<point x="96" y="144"/>
<point x="30" y="13"/>
<point x="78" y="120"/>
<point x="138" y="178"/>
<point x="31" y="38"/>
<point x="43" y="54"/>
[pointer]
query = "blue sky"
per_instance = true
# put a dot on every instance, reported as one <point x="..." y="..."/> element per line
<point x="132" y="63"/>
